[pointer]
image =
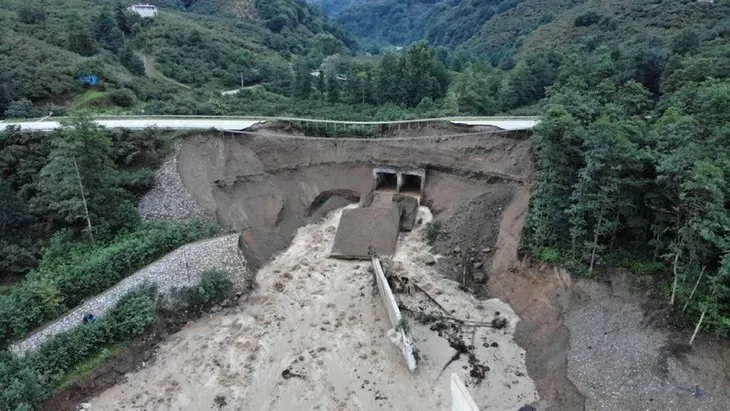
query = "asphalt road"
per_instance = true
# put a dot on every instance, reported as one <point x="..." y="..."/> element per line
<point x="233" y="124"/>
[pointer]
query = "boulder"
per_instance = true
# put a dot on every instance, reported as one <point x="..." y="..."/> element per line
<point x="408" y="207"/>
<point x="428" y="259"/>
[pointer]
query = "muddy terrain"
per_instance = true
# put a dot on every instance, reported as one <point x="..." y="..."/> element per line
<point x="265" y="184"/>
<point x="312" y="333"/>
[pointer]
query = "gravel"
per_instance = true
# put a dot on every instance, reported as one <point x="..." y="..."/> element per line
<point x="178" y="268"/>
<point x="169" y="199"/>
<point x="619" y="361"/>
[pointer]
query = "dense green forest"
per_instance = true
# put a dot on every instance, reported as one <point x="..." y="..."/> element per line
<point x="632" y="154"/>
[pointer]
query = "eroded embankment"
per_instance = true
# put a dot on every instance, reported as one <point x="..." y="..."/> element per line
<point x="268" y="185"/>
<point x="265" y="186"/>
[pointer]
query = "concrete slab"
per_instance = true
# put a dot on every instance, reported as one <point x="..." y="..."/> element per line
<point x="363" y="228"/>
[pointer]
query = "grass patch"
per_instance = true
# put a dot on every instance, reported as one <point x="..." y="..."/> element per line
<point x="85" y="368"/>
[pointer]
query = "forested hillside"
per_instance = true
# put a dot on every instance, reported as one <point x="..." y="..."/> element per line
<point x="47" y="46"/>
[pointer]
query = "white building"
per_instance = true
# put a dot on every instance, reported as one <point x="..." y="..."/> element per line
<point x="144" y="10"/>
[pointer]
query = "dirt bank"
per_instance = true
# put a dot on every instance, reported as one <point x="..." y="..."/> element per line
<point x="313" y="336"/>
<point x="265" y="185"/>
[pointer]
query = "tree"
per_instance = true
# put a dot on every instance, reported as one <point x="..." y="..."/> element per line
<point x="302" y="79"/>
<point x="31" y="14"/>
<point x="424" y="75"/>
<point x="557" y="149"/>
<point x="79" y="41"/>
<point x="107" y="33"/>
<point x="390" y="79"/>
<point x="79" y="182"/>
<point x="131" y="61"/>
<point x="22" y="108"/>
<point x="333" y="88"/>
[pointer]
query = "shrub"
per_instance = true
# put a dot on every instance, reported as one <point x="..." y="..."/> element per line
<point x="549" y="255"/>
<point x="588" y="18"/>
<point x="214" y="287"/>
<point x="642" y="267"/>
<point x="26" y="383"/>
<point x="433" y="231"/>
<point x="31" y="15"/>
<point x="122" y="97"/>
<point x="71" y="272"/>
<point x="22" y="108"/>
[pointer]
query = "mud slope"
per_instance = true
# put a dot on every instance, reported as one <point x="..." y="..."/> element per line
<point x="265" y="186"/>
<point x="313" y="336"/>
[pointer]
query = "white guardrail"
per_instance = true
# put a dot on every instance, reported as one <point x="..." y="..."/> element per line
<point x="237" y="123"/>
<point x="396" y="334"/>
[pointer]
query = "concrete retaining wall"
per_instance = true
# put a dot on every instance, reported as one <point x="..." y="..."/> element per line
<point x="400" y="338"/>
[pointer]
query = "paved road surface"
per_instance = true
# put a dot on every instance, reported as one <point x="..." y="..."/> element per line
<point x="234" y="124"/>
<point x="142" y="123"/>
<point x="514" y="124"/>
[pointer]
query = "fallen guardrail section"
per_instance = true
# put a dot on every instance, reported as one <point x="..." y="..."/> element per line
<point x="461" y="400"/>
<point x="399" y="333"/>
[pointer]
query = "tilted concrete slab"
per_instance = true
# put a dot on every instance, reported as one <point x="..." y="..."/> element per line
<point x="363" y="228"/>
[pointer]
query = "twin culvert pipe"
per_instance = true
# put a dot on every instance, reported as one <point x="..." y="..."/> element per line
<point x="399" y="180"/>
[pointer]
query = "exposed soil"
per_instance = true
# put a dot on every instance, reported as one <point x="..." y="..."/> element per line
<point x="137" y="355"/>
<point x="313" y="336"/>
<point x="269" y="183"/>
<point x="267" y="186"/>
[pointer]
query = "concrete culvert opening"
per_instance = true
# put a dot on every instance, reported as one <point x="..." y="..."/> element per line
<point x="411" y="184"/>
<point x="385" y="181"/>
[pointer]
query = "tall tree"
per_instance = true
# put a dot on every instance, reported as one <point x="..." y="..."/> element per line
<point x="107" y="33"/>
<point x="390" y="79"/>
<point x="79" y="40"/>
<point x="79" y="182"/>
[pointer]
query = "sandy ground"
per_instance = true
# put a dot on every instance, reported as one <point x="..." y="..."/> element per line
<point x="319" y="318"/>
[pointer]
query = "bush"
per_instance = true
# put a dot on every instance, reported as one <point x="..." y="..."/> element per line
<point x="642" y="267"/>
<point x="122" y="97"/>
<point x="433" y="231"/>
<point x="22" y="108"/>
<point x="214" y="287"/>
<point x="588" y="18"/>
<point x="549" y="255"/>
<point x="31" y="15"/>
<point x="70" y="272"/>
<point x="26" y="383"/>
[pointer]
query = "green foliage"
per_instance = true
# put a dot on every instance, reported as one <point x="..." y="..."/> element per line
<point x="22" y="108"/>
<point x="214" y="287"/>
<point x="642" y="267"/>
<point x="107" y="33"/>
<point x="26" y="383"/>
<point x="433" y="231"/>
<point x="588" y="18"/>
<point x="31" y="15"/>
<point x="71" y="272"/>
<point x="131" y="61"/>
<point x="549" y="255"/>
<point x="79" y="40"/>
<point x="619" y="172"/>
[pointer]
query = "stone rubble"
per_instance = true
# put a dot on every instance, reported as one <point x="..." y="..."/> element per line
<point x="169" y="199"/>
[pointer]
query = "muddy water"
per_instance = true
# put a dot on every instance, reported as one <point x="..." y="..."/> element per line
<point x="319" y="319"/>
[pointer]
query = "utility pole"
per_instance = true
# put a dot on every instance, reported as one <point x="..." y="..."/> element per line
<point x="83" y="199"/>
<point x="241" y="80"/>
